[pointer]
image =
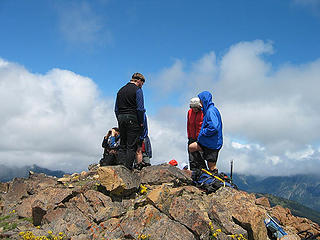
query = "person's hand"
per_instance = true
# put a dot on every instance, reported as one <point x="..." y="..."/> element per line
<point x="108" y="133"/>
<point x="113" y="133"/>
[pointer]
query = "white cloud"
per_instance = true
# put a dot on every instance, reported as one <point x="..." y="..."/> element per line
<point x="275" y="160"/>
<point x="275" y="111"/>
<point x="308" y="2"/>
<point x="169" y="79"/>
<point x="313" y="5"/>
<point x="301" y="155"/>
<point x="80" y="24"/>
<point x="54" y="120"/>
<point x="168" y="142"/>
<point x="237" y="145"/>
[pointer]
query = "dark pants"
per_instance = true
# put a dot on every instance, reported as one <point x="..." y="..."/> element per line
<point x="211" y="155"/>
<point x="130" y="132"/>
<point x="109" y="159"/>
<point x="196" y="161"/>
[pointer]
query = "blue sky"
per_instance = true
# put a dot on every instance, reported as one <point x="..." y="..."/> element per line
<point x="62" y="63"/>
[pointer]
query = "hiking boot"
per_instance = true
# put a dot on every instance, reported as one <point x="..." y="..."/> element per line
<point x="141" y="165"/>
<point x="146" y="164"/>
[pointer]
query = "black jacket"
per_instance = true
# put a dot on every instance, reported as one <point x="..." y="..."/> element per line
<point x="130" y="101"/>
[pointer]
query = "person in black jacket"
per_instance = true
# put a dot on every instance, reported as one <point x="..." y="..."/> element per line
<point x="129" y="110"/>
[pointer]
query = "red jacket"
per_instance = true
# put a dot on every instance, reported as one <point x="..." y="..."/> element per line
<point x="194" y="123"/>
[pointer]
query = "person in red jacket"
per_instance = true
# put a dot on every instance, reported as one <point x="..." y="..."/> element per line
<point x="194" y="123"/>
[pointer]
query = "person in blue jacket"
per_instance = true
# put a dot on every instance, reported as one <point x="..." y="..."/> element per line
<point x="210" y="139"/>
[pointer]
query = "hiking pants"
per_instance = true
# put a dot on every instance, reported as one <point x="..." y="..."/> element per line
<point x="196" y="160"/>
<point x="109" y="159"/>
<point x="130" y="132"/>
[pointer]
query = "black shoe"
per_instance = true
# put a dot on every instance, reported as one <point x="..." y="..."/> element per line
<point x="141" y="165"/>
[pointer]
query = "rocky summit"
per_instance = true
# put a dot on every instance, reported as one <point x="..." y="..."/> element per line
<point x="158" y="202"/>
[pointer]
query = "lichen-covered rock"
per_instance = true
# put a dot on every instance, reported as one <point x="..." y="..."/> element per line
<point x="148" y="220"/>
<point x="4" y="187"/>
<point x="165" y="173"/>
<point x="50" y="198"/>
<point x="291" y="237"/>
<point x="263" y="201"/>
<point x="297" y="223"/>
<point x="118" y="180"/>
<point x="231" y="207"/>
<point x="166" y="206"/>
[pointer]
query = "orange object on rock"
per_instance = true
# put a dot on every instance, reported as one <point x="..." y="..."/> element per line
<point x="173" y="162"/>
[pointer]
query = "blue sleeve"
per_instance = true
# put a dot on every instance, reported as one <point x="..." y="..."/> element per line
<point x="211" y="125"/>
<point x="145" y="127"/>
<point x="140" y="106"/>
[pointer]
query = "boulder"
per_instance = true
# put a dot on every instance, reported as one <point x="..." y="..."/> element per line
<point x="232" y="208"/>
<point x="4" y="187"/>
<point x="68" y="219"/>
<point x="148" y="220"/>
<point x="17" y="190"/>
<point x="291" y="222"/>
<point x="263" y="201"/>
<point x="165" y="173"/>
<point x="39" y="181"/>
<point x="103" y="206"/>
<point x="38" y="211"/>
<point x="291" y="237"/>
<point x="118" y="180"/>
<point x="50" y="198"/>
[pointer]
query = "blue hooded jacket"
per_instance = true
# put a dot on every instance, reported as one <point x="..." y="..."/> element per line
<point x="210" y="134"/>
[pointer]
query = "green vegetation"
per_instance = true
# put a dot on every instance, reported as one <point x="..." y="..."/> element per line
<point x="296" y="209"/>
<point x="6" y="224"/>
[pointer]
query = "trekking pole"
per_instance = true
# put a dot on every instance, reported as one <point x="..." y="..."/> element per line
<point x="231" y="163"/>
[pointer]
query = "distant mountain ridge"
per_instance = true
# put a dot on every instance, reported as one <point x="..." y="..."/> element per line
<point x="7" y="173"/>
<point x="304" y="189"/>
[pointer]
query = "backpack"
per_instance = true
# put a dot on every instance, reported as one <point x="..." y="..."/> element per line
<point x="275" y="231"/>
<point x="211" y="182"/>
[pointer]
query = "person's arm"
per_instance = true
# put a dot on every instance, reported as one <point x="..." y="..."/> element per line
<point x="105" y="143"/>
<point x="145" y="128"/>
<point x="148" y="148"/>
<point x="188" y="125"/>
<point x="140" y="106"/>
<point x="116" y="110"/>
<point x="211" y="126"/>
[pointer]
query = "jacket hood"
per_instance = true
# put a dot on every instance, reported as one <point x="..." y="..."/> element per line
<point x="206" y="99"/>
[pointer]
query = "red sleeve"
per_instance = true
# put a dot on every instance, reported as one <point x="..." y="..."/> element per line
<point x="199" y="123"/>
<point x="188" y="124"/>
